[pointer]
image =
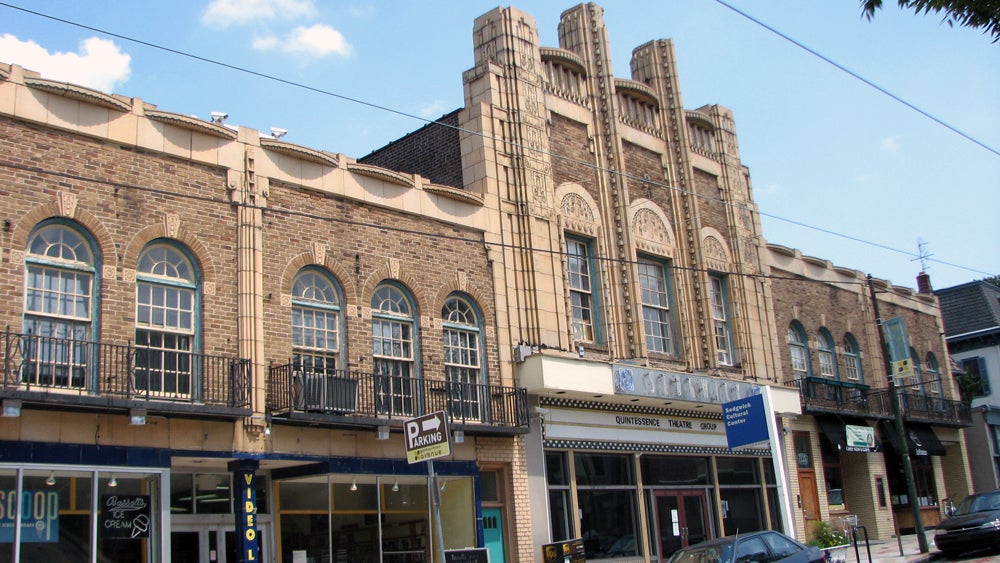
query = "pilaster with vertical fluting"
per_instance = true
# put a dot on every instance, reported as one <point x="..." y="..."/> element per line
<point x="582" y="31"/>
<point x="655" y="65"/>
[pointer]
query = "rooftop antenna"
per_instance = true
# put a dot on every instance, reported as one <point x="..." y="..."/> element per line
<point x="922" y="254"/>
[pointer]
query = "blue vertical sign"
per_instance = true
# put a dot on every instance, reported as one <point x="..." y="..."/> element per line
<point x="245" y="508"/>
<point x="746" y="421"/>
<point x="895" y="337"/>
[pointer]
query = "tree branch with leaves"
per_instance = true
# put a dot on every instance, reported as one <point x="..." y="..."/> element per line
<point x="975" y="14"/>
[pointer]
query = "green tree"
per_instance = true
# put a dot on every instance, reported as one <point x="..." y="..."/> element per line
<point x="977" y="14"/>
<point x="993" y="280"/>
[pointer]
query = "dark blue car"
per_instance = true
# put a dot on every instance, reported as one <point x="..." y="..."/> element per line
<point x="974" y="525"/>
<point x="754" y="547"/>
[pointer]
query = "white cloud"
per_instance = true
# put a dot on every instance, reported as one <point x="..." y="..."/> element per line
<point x="99" y="63"/>
<point x="434" y="109"/>
<point x="890" y="144"/>
<point x="223" y="13"/>
<point x="770" y="189"/>
<point x="318" y="40"/>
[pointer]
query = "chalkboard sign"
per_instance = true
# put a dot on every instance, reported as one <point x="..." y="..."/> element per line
<point x="467" y="555"/>
<point x="124" y="517"/>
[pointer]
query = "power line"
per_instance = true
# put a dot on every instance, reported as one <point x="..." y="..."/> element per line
<point x="857" y="76"/>
<point x="557" y="156"/>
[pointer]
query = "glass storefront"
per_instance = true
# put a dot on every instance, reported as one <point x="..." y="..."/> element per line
<point x="370" y="519"/>
<point x="686" y="499"/>
<point x="79" y="515"/>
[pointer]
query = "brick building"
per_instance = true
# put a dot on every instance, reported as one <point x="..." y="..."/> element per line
<point x="197" y="314"/>
<point x="571" y="266"/>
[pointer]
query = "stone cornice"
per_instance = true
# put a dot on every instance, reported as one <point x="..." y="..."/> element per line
<point x="380" y="173"/>
<point x="79" y="93"/>
<point x="454" y="193"/>
<point x="191" y="123"/>
<point x="299" y="151"/>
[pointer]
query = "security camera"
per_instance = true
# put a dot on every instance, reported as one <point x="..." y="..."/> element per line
<point x="219" y="116"/>
<point x="278" y="132"/>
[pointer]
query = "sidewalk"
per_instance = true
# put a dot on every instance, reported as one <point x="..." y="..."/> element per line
<point x="888" y="551"/>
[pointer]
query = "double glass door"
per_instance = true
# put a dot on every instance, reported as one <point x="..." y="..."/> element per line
<point x="681" y="520"/>
<point x="215" y="543"/>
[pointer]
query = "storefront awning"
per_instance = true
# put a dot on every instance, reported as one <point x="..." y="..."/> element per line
<point x="920" y="439"/>
<point x="835" y="430"/>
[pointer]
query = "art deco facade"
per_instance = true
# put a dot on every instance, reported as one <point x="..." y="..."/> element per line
<point x="571" y="266"/>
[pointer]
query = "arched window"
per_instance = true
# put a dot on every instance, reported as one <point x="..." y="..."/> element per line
<point x="463" y="359"/>
<point x="316" y="320"/>
<point x="799" y="350"/>
<point x="852" y="359"/>
<point x="59" y="304"/>
<point x="166" y="322"/>
<point x="918" y="372"/>
<point x="932" y="376"/>
<point x="393" y="350"/>
<point x="827" y="355"/>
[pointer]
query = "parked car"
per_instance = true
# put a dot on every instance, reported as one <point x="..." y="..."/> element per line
<point x="974" y="525"/>
<point x="755" y="547"/>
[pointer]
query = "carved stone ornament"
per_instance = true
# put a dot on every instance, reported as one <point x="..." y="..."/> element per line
<point x="575" y="207"/>
<point x="128" y="275"/>
<point x="17" y="257"/>
<point x="67" y="204"/>
<point x="209" y="288"/>
<point x="171" y="224"/>
<point x="319" y="252"/>
<point x="647" y="225"/>
<point x="286" y="300"/>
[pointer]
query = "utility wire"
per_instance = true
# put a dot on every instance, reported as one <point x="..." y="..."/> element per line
<point x="857" y="76"/>
<point x="590" y="165"/>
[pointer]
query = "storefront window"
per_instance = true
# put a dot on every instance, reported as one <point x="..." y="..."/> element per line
<point x="923" y="479"/>
<point x="557" y="475"/>
<point x="833" y="473"/>
<point x="675" y="471"/>
<point x="59" y="514"/>
<point x="741" y="496"/>
<point x="607" y="497"/>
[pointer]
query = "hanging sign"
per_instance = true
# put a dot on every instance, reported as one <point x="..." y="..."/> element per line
<point x="746" y="422"/>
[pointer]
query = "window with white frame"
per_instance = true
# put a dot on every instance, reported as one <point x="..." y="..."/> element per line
<point x="798" y="350"/>
<point x="826" y="354"/>
<point x="852" y="359"/>
<point x="316" y="318"/>
<point x="582" y="289"/>
<point x="393" y="339"/>
<point x="59" y="294"/>
<point x="463" y="363"/>
<point x="655" y="285"/>
<point x="165" y="321"/>
<point x="720" y="320"/>
<point x="918" y="370"/>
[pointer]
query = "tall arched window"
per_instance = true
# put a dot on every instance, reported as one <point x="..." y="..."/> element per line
<point x="932" y="375"/>
<point x="799" y="350"/>
<point x="393" y="350"/>
<point x="166" y="322"/>
<point x="852" y="359"/>
<point x="59" y="306"/>
<point x="827" y="355"/>
<point x="316" y="319"/>
<point x="463" y="359"/>
<point x="918" y="372"/>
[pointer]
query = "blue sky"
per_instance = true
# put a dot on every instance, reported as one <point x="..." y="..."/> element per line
<point x="839" y="170"/>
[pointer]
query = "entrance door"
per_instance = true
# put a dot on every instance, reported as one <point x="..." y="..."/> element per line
<point x="211" y="544"/>
<point x="493" y="534"/>
<point x="682" y="520"/>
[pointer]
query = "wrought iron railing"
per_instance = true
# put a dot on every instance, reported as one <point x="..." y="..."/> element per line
<point x="66" y="367"/>
<point x="928" y="408"/>
<point x="822" y="395"/>
<point x="294" y="389"/>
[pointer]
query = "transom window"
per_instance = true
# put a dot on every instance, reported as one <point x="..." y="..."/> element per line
<point x="852" y="359"/>
<point x="720" y="320"/>
<point x="581" y="289"/>
<point x="827" y="359"/>
<point x="315" y="322"/>
<point x="166" y="296"/>
<point x="393" y="350"/>
<point x="60" y="272"/>
<point x="654" y="283"/>
<point x="462" y="359"/>
<point x="798" y="350"/>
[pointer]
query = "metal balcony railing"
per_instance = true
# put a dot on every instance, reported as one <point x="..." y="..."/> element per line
<point x="293" y="390"/>
<point x="823" y="395"/>
<point x="61" y="368"/>
<point x="918" y="407"/>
